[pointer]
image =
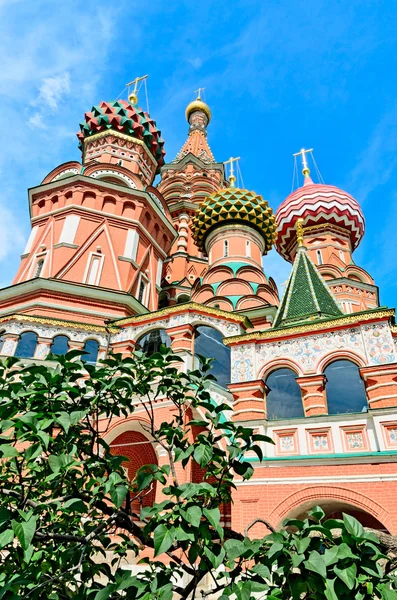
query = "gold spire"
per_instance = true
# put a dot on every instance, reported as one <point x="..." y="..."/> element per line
<point x="231" y="178"/>
<point x="133" y="96"/>
<point x="303" y="152"/>
<point x="198" y="105"/>
<point x="299" y="231"/>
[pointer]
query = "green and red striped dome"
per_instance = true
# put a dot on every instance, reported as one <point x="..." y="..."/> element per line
<point x="125" y="118"/>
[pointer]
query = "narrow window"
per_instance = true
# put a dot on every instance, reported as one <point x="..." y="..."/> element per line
<point x="93" y="273"/>
<point x="91" y="348"/>
<point x="39" y="267"/>
<point x="69" y="229"/>
<point x="248" y="249"/>
<point x="341" y="255"/>
<point x="142" y="288"/>
<point x="131" y="244"/>
<point x="319" y="257"/>
<point x="225" y="248"/>
<point x="159" y="272"/>
<point x="26" y="345"/>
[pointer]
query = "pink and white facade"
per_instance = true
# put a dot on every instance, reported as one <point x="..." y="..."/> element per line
<point x="112" y="263"/>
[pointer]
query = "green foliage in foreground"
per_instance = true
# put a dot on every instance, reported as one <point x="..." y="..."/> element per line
<point x="63" y="495"/>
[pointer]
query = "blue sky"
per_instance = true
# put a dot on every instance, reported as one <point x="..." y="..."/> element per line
<point x="278" y="75"/>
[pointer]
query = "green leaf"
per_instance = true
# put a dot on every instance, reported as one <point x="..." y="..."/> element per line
<point x="388" y="594"/>
<point x="6" y="537"/>
<point x="330" y="593"/>
<point x="347" y="575"/>
<point x="202" y="454"/>
<point x="316" y="513"/>
<point x="118" y="494"/>
<point x="8" y="451"/>
<point x="25" y="531"/>
<point x="192" y="515"/>
<point x="163" y="538"/>
<point x="234" y="548"/>
<point x="214" y="516"/>
<point x="63" y="419"/>
<point x="353" y="526"/>
<point x="316" y="564"/>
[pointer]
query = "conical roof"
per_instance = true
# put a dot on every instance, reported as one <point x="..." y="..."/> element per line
<point x="307" y="296"/>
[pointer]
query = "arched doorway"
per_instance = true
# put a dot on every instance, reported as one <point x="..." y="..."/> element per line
<point x="334" y="509"/>
<point x="139" y="452"/>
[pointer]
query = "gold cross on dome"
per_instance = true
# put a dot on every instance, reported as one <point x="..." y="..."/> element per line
<point x="231" y="178"/>
<point x="198" y="92"/>
<point x="303" y="152"/>
<point x="133" y="96"/>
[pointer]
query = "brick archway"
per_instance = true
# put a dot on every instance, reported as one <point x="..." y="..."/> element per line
<point x="139" y="452"/>
<point x="305" y="499"/>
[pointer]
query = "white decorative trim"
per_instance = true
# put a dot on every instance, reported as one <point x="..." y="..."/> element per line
<point x="73" y="171"/>
<point x="319" y="480"/>
<point x="104" y="172"/>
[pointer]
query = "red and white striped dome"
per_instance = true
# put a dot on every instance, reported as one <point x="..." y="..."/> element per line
<point x="316" y="204"/>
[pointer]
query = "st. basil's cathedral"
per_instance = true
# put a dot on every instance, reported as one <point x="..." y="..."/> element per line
<point x="114" y="263"/>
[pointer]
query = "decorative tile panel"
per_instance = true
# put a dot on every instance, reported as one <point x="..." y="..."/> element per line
<point x="320" y="441"/>
<point x="9" y="347"/>
<point x="286" y="442"/>
<point x="379" y="343"/>
<point x="307" y="351"/>
<point x="354" y="439"/>
<point x="242" y="361"/>
<point x="390" y="435"/>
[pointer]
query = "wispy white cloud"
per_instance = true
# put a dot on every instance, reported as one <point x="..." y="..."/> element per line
<point x="378" y="161"/>
<point x="53" y="89"/>
<point x="36" y="121"/>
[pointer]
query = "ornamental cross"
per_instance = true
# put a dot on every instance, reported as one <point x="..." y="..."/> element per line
<point x="230" y="162"/>
<point x="198" y="92"/>
<point x="303" y="152"/>
<point x="133" y="97"/>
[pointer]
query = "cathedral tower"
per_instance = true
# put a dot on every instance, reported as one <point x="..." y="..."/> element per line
<point x="185" y="182"/>
<point x="333" y="228"/>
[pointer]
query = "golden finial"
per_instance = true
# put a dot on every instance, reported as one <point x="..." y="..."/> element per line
<point x="299" y="232"/>
<point x="303" y="152"/>
<point x="231" y="178"/>
<point x="133" y="96"/>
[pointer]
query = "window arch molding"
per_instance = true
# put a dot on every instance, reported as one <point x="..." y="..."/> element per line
<point x="283" y="396"/>
<point x="280" y="363"/>
<point x="344" y="354"/>
<point x="27" y="344"/>
<point x="344" y="388"/>
<point x="60" y="343"/>
<point x="150" y="340"/>
<point x="207" y="341"/>
<point x="91" y="346"/>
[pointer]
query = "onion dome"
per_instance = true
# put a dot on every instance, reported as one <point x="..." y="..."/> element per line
<point x="198" y="106"/>
<point x="233" y="205"/>
<point x="317" y="204"/>
<point x="123" y="117"/>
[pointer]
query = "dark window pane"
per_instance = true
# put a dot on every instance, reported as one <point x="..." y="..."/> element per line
<point x="92" y="347"/>
<point x="208" y="343"/>
<point x="284" y="400"/>
<point x="26" y="345"/>
<point x="60" y="345"/>
<point x="150" y="342"/>
<point x="345" y="388"/>
<point x="1" y="340"/>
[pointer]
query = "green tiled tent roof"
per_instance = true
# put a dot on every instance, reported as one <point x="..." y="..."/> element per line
<point x="307" y="296"/>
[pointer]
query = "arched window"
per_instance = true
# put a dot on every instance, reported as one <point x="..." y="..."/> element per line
<point x="1" y="340"/>
<point x="344" y="388"/>
<point x="91" y="347"/>
<point x="163" y="300"/>
<point x="283" y="400"/>
<point x="248" y="249"/>
<point x="208" y="343"/>
<point x="319" y="257"/>
<point x="26" y="345"/>
<point x="60" y="345"/>
<point x="225" y="248"/>
<point x="39" y="267"/>
<point x="150" y="342"/>
<point x="182" y="299"/>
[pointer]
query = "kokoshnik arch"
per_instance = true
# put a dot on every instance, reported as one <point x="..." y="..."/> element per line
<point x="116" y="262"/>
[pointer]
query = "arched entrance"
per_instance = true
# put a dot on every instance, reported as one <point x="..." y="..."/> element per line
<point x="333" y="500"/>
